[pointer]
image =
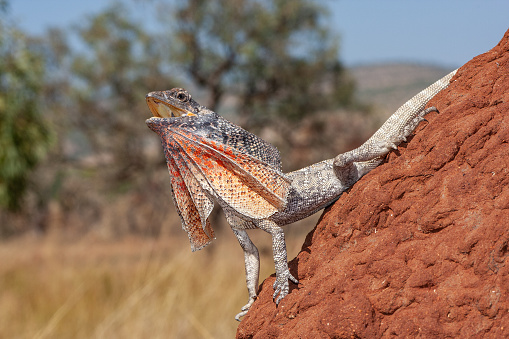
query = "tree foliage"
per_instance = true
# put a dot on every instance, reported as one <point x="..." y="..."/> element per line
<point x="278" y="57"/>
<point x="120" y="65"/>
<point x="25" y="136"/>
<point x="277" y="61"/>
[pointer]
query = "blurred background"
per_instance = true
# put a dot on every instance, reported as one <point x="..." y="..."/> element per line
<point x="90" y="244"/>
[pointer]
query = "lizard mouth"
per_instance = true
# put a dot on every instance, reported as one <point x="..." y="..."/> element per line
<point x="161" y="108"/>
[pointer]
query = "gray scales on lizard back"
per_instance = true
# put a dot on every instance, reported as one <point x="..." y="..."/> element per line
<point x="210" y="159"/>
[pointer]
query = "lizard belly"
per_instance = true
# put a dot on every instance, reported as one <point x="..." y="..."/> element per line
<point x="313" y="188"/>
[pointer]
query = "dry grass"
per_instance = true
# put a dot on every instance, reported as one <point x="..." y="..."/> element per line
<point x="134" y="288"/>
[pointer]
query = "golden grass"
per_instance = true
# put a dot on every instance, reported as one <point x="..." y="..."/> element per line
<point x="134" y="288"/>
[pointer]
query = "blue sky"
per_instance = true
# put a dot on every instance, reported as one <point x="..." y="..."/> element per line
<point x="442" y="32"/>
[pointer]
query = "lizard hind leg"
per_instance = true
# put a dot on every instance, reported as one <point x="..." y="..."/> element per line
<point x="397" y="128"/>
<point x="381" y="143"/>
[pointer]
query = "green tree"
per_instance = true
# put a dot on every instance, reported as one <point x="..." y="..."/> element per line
<point x="25" y="136"/>
<point x="277" y="57"/>
<point x="120" y="64"/>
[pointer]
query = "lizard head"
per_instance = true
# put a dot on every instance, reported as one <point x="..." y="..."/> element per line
<point x="176" y="102"/>
<point x="174" y="107"/>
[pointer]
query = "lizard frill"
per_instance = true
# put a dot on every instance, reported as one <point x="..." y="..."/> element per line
<point x="208" y="157"/>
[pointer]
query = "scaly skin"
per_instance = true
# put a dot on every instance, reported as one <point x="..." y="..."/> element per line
<point x="312" y="188"/>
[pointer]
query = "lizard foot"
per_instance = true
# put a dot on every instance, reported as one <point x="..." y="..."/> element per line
<point x="245" y="309"/>
<point x="410" y="127"/>
<point x="282" y="286"/>
<point x="365" y="154"/>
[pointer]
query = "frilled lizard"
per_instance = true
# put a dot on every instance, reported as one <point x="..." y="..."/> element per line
<point x="210" y="158"/>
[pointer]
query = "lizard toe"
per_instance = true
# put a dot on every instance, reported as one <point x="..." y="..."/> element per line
<point x="240" y="314"/>
<point x="245" y="309"/>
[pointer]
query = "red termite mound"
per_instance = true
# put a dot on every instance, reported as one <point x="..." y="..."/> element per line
<point x="419" y="246"/>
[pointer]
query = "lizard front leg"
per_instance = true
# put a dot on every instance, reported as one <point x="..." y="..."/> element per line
<point x="281" y="285"/>
<point x="252" y="265"/>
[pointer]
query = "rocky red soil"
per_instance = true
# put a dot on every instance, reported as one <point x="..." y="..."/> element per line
<point x="419" y="247"/>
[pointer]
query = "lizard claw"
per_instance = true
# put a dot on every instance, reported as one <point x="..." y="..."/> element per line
<point x="282" y="286"/>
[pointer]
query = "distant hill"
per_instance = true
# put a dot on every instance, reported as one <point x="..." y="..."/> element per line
<point x="388" y="86"/>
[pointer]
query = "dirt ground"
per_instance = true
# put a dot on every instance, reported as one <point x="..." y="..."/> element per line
<point x="419" y="247"/>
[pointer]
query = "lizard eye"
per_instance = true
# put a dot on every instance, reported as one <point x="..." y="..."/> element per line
<point x="182" y="96"/>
